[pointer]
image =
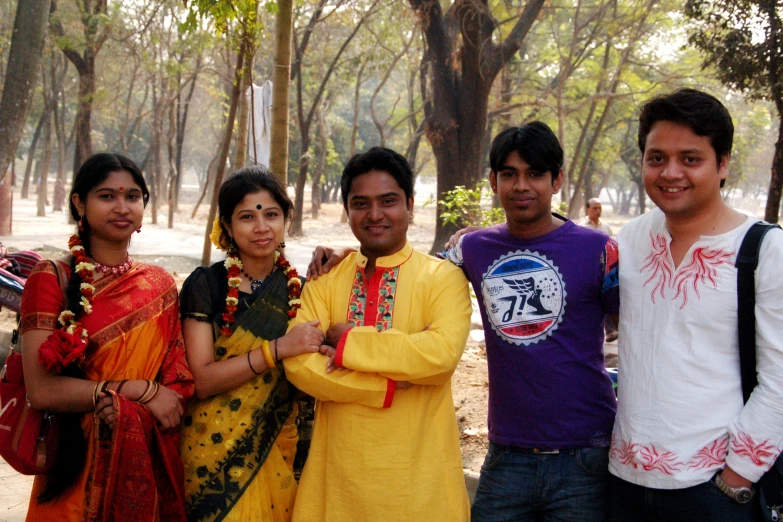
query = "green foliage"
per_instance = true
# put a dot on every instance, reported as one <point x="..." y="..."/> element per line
<point x="466" y="207"/>
<point x="739" y="39"/>
<point x="463" y="207"/>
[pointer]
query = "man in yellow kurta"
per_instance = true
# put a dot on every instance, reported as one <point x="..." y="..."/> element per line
<point x="385" y="443"/>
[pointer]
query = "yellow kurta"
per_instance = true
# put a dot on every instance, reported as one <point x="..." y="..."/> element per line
<point x="378" y="453"/>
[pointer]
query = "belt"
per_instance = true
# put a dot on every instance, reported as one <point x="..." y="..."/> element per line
<point x="517" y="449"/>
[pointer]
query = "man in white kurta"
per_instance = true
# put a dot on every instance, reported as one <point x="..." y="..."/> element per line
<point x="684" y="444"/>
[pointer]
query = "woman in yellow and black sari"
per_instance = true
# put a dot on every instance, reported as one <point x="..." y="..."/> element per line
<point x="239" y="438"/>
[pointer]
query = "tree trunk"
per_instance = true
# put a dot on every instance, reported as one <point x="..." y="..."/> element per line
<point x="641" y="195"/>
<point x="211" y="169"/>
<point x="154" y="169"/>
<point x="278" y="161"/>
<point x="225" y="146"/>
<point x="58" y="199"/>
<point x="24" y="61"/>
<point x="43" y="169"/>
<point x="243" y="113"/>
<point x="170" y="156"/>
<point x="460" y="92"/>
<point x="84" y="114"/>
<point x="7" y="201"/>
<point x="320" y="171"/>
<point x="304" y="164"/>
<point x="772" y="212"/>
<point x="356" y="99"/>
<point x="31" y="156"/>
<point x="182" y="119"/>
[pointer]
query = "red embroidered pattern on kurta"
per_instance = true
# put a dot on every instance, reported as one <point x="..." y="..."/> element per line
<point x="386" y="292"/>
<point x="712" y="455"/>
<point x="645" y="457"/>
<point x="657" y="263"/>
<point x="357" y="303"/>
<point x="703" y="268"/>
<point x="382" y="306"/>
<point x="761" y="454"/>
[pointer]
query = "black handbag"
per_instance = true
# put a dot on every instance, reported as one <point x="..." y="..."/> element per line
<point x="770" y="487"/>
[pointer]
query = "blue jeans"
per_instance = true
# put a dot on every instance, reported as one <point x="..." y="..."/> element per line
<point x="704" y="502"/>
<point x="518" y="485"/>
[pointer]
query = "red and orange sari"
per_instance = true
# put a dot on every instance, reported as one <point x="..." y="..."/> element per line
<point x="133" y="472"/>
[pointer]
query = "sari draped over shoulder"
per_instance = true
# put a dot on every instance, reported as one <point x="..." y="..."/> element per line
<point x="238" y="447"/>
<point x="133" y="472"/>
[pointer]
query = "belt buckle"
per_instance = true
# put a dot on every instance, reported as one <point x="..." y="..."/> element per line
<point x="545" y="451"/>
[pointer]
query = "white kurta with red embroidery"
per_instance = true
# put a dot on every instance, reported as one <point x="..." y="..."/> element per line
<point x="680" y="416"/>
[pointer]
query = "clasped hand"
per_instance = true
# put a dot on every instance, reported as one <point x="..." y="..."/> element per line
<point x="166" y="408"/>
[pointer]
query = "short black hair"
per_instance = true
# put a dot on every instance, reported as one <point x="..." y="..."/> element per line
<point x="380" y="159"/>
<point x="702" y="112"/>
<point x="249" y="180"/>
<point x="534" y="142"/>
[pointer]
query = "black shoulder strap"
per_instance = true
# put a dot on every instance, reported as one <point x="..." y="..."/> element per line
<point x="747" y="261"/>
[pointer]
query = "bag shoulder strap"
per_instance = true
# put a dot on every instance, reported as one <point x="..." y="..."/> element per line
<point x="16" y="340"/>
<point x="746" y="263"/>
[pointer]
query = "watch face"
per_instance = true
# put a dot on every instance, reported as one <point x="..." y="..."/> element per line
<point x="744" y="495"/>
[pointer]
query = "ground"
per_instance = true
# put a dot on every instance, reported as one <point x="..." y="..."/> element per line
<point x="179" y="251"/>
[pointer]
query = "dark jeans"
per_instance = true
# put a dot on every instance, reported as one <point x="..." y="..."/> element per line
<point x="705" y="502"/>
<point x="519" y="485"/>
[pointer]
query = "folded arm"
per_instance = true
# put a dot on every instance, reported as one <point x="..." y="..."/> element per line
<point x="426" y="357"/>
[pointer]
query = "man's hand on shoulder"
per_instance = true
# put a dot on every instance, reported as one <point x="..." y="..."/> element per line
<point x="324" y="258"/>
<point x="453" y="240"/>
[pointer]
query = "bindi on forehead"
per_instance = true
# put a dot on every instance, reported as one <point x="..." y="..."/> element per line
<point x="259" y="207"/>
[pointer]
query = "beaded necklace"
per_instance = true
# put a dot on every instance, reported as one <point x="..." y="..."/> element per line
<point x="120" y="269"/>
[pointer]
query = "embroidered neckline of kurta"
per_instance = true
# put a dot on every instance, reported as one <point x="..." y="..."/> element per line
<point x="373" y="299"/>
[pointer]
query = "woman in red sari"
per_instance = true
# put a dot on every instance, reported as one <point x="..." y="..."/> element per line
<point x="102" y="347"/>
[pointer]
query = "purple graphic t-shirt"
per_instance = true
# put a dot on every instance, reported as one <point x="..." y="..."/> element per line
<point x="543" y="302"/>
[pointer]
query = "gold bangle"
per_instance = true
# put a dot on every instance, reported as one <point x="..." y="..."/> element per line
<point x="95" y="394"/>
<point x="145" y="396"/>
<point x="155" y="390"/>
<point x="270" y="362"/>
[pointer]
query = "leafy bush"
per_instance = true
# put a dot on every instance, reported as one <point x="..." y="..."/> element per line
<point x="462" y="207"/>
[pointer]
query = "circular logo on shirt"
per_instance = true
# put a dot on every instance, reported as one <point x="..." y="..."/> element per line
<point x="524" y="296"/>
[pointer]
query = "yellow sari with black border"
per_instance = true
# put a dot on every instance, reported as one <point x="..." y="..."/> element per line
<point x="238" y="447"/>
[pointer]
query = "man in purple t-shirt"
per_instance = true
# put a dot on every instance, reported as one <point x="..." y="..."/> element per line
<point x="544" y="285"/>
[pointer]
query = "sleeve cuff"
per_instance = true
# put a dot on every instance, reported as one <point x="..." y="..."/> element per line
<point x="746" y="468"/>
<point x="338" y="356"/>
<point x="390" y="387"/>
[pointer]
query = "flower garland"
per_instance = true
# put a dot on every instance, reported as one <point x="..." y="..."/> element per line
<point x="68" y="344"/>
<point x="234" y="267"/>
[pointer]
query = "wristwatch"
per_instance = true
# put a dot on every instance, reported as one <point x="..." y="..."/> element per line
<point x="740" y="495"/>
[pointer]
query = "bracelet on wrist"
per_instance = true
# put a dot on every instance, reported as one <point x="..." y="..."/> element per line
<point x="270" y="362"/>
<point x="277" y="357"/>
<point x="148" y="391"/>
<point x="95" y="392"/>
<point x="251" y="364"/>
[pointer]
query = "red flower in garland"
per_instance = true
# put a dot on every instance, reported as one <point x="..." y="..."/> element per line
<point x="61" y="349"/>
